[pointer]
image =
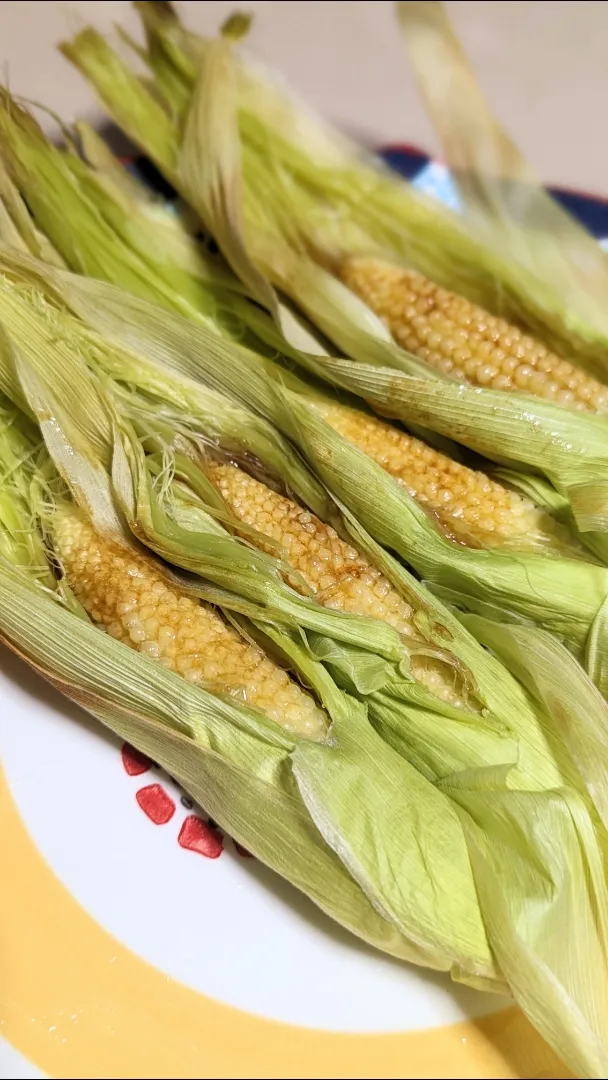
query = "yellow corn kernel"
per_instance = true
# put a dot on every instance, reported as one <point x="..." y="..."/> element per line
<point x="339" y="575"/>
<point x="464" y="341"/>
<point x="467" y="505"/>
<point x="125" y="593"/>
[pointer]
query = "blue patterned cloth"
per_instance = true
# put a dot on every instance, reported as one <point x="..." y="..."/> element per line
<point x="434" y="178"/>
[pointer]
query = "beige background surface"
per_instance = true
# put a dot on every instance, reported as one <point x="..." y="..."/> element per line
<point x="543" y="65"/>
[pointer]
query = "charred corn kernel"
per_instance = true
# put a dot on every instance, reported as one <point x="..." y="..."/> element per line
<point x="125" y="594"/>
<point x="464" y="341"/>
<point x="338" y="574"/>
<point x="467" y="505"/>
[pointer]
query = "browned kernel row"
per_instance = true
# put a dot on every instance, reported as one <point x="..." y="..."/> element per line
<point x="126" y="595"/>
<point x="467" y="505"/>
<point x="464" y="341"/>
<point x="339" y="575"/>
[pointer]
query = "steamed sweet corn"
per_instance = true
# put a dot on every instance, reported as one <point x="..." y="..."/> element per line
<point x="339" y="575"/>
<point x="465" y="342"/>
<point x="134" y="602"/>
<point x="467" y="505"/>
<point x="509" y="787"/>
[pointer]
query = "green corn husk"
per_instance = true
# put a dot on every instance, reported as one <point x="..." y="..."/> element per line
<point x="507" y="885"/>
<point x="232" y="565"/>
<point x="244" y="318"/>
<point x="114" y="230"/>
<point x="229" y="758"/>
<point x="564" y="269"/>
<point x="344" y="167"/>
<point x="16" y="226"/>
<point x="170" y="412"/>
<point x="50" y="162"/>
<point x="430" y="939"/>
<point x="367" y="208"/>
<point x="107" y="210"/>
<point x="54" y="182"/>
<point x="495" y="781"/>
<point x="20" y="542"/>
<point x="567" y="610"/>
<point x="563" y="596"/>
<point x="199" y="179"/>
<point x="521" y="425"/>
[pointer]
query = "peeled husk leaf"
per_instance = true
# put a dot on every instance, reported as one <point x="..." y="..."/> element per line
<point x="229" y="759"/>
<point x="202" y="176"/>
<point x="521" y="426"/>
<point x="570" y="449"/>
<point x="122" y="211"/>
<point x="207" y="553"/>
<point x="54" y="187"/>
<point x="20" y="541"/>
<point x="333" y="787"/>
<point x="118" y="84"/>
<point x="554" y="679"/>
<point x="554" y="866"/>
<point x="565" y="595"/>
<point x="235" y="576"/>
<point x="496" y="817"/>
<point x="213" y="747"/>
<point x="551" y="265"/>
<point x="84" y="451"/>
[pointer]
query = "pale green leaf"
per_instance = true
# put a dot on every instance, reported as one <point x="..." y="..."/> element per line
<point x="559" y="684"/>
<point x="563" y="273"/>
<point x="228" y="758"/>
<point x="541" y="885"/>
<point x="412" y="840"/>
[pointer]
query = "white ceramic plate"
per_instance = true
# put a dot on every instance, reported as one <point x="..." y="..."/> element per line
<point x="137" y="941"/>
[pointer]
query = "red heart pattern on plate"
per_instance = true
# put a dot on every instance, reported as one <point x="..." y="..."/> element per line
<point x="156" y="803"/>
<point x="134" y="762"/>
<point x="196" y="834"/>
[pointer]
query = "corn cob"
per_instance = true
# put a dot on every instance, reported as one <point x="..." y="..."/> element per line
<point x="465" y="342"/>
<point x="125" y="593"/>
<point x="467" y="505"/>
<point x="339" y="575"/>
